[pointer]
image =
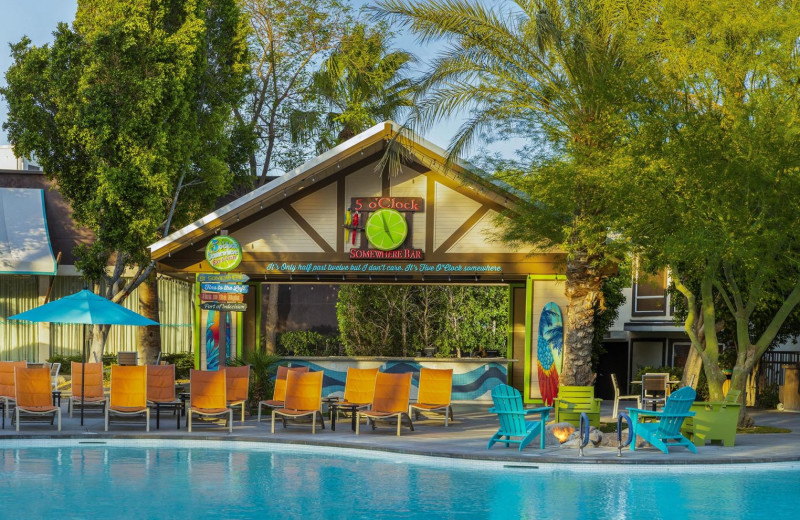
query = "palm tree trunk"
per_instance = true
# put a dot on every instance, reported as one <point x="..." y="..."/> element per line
<point x="271" y="318"/>
<point x="148" y="339"/>
<point x="583" y="289"/>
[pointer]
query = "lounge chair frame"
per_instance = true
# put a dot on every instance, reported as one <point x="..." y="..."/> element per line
<point x="37" y="410"/>
<point x="220" y="411"/>
<point x="435" y="392"/>
<point x="128" y="372"/>
<point x="279" y="390"/>
<point x="303" y="399"/>
<point x="390" y="401"/>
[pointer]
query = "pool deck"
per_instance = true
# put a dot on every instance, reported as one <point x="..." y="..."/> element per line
<point x="465" y="438"/>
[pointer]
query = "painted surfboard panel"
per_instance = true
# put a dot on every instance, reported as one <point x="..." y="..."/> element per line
<point x="550" y="351"/>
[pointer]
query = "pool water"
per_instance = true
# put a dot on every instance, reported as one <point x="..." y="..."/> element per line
<point x="237" y="480"/>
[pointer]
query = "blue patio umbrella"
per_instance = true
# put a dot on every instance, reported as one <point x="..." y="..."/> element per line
<point x="86" y="308"/>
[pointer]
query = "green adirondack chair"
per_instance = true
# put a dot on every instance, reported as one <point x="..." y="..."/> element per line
<point x="572" y="401"/>
<point x="511" y="414"/>
<point x="714" y="420"/>
<point x="667" y="431"/>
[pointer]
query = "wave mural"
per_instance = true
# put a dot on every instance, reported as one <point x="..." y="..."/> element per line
<point x="472" y="381"/>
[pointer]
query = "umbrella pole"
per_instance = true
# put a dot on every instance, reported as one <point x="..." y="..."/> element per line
<point x="83" y="370"/>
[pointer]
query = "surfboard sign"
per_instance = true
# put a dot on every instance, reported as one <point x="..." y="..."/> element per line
<point x="550" y="351"/>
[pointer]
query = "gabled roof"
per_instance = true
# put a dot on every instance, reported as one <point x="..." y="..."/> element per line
<point x="368" y="142"/>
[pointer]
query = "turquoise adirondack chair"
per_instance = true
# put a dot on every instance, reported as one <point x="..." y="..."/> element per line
<point x="667" y="431"/>
<point x="511" y="414"/>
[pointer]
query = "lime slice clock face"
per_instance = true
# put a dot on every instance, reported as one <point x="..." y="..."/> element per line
<point x="386" y="229"/>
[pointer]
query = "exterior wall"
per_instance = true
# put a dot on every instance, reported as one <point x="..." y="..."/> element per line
<point x="473" y="379"/>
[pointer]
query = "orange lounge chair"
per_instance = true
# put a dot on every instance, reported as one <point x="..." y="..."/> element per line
<point x="359" y="389"/>
<point x="7" y="384"/>
<point x="237" y="381"/>
<point x="93" y="387"/>
<point x="128" y="392"/>
<point x="161" y="390"/>
<point x="391" y="400"/>
<point x="435" y="390"/>
<point x="303" y="398"/>
<point x="207" y="396"/>
<point x="279" y="392"/>
<point x="34" y="394"/>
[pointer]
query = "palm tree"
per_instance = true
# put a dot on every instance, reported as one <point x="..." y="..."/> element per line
<point x="551" y="70"/>
<point x="361" y="84"/>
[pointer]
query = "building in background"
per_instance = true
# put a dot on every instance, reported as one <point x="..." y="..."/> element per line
<point x="37" y="236"/>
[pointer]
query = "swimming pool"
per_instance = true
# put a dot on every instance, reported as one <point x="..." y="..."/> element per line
<point x="156" y="479"/>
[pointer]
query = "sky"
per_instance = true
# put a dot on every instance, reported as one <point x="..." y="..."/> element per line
<point x="37" y="19"/>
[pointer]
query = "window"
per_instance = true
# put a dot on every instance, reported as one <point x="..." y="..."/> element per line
<point x="650" y="294"/>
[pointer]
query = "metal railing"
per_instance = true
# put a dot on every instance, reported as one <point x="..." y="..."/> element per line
<point x="770" y="368"/>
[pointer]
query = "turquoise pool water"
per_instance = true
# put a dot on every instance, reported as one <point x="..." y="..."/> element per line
<point x="233" y="480"/>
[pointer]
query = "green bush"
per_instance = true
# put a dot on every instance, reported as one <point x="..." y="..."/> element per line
<point x="767" y="397"/>
<point x="308" y="343"/>
<point x="400" y="320"/>
<point x="183" y="363"/>
<point x="263" y="367"/>
<point x="66" y="362"/>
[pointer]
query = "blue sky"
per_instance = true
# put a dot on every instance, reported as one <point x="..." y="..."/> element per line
<point x="37" y="19"/>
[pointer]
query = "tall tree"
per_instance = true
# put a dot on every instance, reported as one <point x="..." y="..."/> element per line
<point x="716" y="151"/>
<point x="362" y="83"/>
<point x="288" y="41"/>
<point x="126" y="111"/>
<point x="550" y="70"/>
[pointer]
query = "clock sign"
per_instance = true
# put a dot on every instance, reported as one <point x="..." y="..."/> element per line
<point x="386" y="229"/>
<point x="380" y="227"/>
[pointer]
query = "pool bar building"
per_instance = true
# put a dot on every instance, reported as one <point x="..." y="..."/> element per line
<point x="345" y="218"/>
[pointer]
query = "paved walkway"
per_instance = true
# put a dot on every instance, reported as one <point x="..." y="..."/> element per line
<point x="466" y="437"/>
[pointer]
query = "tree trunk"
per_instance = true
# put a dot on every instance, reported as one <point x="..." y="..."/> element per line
<point x="148" y="342"/>
<point x="271" y="318"/>
<point x="692" y="368"/>
<point x="582" y="290"/>
<point x="99" y="334"/>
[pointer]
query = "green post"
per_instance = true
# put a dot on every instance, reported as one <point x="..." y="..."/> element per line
<point x="197" y="325"/>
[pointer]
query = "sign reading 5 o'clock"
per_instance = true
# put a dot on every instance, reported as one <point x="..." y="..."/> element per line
<point x="223" y="253"/>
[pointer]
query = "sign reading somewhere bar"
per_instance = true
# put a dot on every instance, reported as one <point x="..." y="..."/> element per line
<point x="223" y="306"/>
<point x="222" y="277"/>
<point x="224" y="288"/>
<point x="221" y="297"/>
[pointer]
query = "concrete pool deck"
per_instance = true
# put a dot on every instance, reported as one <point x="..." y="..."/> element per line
<point x="465" y="438"/>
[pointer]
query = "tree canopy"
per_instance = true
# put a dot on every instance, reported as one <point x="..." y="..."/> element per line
<point x="550" y="71"/>
<point x="714" y="150"/>
<point x="129" y="111"/>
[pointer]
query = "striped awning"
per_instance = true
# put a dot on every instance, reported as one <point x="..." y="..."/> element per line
<point x="24" y="240"/>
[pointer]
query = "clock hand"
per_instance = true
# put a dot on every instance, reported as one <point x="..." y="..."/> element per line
<point x="386" y="227"/>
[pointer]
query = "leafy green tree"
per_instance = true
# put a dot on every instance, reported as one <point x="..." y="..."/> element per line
<point x="126" y="111"/>
<point x="545" y="70"/>
<point x="288" y="40"/>
<point x="362" y="83"/>
<point x="715" y="151"/>
<point x="398" y="320"/>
